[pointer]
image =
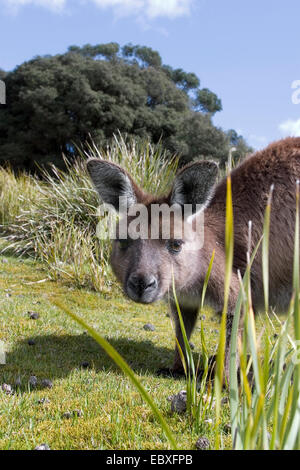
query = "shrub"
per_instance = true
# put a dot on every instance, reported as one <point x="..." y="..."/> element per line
<point x="55" y="219"/>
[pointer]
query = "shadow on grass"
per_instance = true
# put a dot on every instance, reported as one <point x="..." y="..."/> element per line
<point x="55" y="357"/>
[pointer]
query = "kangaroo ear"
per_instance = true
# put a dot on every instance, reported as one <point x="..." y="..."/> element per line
<point x="112" y="182"/>
<point x="194" y="184"/>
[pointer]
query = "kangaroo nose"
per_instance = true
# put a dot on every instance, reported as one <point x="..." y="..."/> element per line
<point x="140" y="287"/>
<point x="141" y="283"/>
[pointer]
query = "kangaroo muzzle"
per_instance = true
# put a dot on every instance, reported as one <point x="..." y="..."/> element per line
<point x="142" y="288"/>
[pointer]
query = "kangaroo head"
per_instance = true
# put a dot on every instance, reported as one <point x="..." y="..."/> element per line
<point x="156" y="239"/>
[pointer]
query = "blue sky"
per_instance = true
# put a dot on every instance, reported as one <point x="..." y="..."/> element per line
<point x="245" y="51"/>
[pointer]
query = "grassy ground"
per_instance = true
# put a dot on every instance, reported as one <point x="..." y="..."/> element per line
<point x="113" y="414"/>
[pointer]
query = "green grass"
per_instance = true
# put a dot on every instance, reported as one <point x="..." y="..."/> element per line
<point x="55" y="219"/>
<point x="114" y="415"/>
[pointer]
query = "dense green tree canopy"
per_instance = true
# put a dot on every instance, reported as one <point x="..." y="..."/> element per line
<point x="56" y="102"/>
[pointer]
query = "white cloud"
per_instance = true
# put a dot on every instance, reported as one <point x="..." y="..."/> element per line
<point x="150" y="8"/>
<point x="121" y="7"/>
<point x="290" y="127"/>
<point x="142" y="8"/>
<point x="169" y="8"/>
<point x="54" y="5"/>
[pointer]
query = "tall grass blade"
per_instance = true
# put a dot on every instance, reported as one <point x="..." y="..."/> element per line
<point x="265" y="250"/>
<point x="122" y="364"/>
<point x="229" y="236"/>
<point x="292" y="440"/>
<point x="189" y="366"/>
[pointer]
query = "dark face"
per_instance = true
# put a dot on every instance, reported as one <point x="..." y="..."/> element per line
<point x="145" y="267"/>
<point x="132" y="262"/>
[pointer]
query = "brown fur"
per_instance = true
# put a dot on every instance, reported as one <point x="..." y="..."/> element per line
<point x="278" y="164"/>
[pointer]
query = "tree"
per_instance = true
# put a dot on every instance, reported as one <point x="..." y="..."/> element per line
<point x="2" y="74"/>
<point x="207" y="102"/>
<point x="56" y="102"/>
<point x="205" y="140"/>
<point x="238" y="142"/>
<point x="145" y="56"/>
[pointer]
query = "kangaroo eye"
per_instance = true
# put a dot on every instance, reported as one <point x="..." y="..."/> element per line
<point x="123" y="244"/>
<point x="174" y="246"/>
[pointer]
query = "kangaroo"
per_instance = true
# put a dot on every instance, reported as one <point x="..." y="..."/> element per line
<point x="145" y="267"/>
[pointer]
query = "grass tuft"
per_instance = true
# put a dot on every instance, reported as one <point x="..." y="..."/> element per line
<point x="55" y="219"/>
